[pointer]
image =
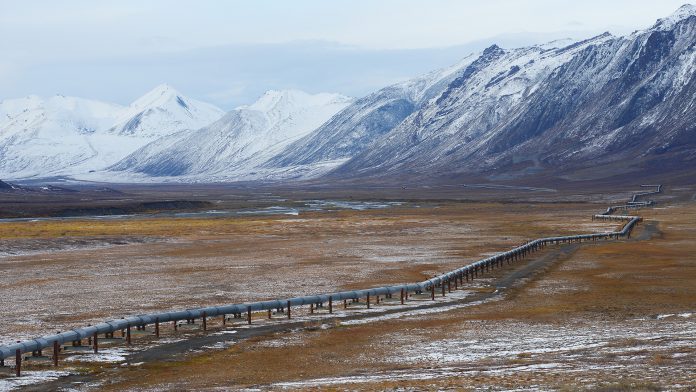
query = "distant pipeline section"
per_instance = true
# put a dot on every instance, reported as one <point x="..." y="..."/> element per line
<point x="444" y="281"/>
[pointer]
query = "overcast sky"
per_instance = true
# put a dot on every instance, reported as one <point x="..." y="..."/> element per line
<point x="229" y="52"/>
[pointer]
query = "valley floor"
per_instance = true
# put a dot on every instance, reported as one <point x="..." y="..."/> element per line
<point x="611" y="315"/>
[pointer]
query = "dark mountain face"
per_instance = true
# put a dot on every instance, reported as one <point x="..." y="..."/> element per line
<point x="610" y="100"/>
<point x="5" y="186"/>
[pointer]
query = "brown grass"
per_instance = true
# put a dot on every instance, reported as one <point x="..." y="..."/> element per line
<point x="607" y="282"/>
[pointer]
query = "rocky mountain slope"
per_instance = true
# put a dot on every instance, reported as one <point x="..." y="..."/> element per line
<point x="610" y="100"/>
<point x="366" y="120"/>
<point x="5" y="186"/>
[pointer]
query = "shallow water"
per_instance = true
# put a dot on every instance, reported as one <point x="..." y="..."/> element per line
<point x="305" y="206"/>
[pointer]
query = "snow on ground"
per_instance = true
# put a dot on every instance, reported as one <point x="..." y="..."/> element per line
<point x="30" y="378"/>
<point x="583" y="348"/>
<point x="493" y="341"/>
<point x="109" y="355"/>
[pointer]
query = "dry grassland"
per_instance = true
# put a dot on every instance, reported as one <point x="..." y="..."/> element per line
<point x="612" y="316"/>
<point x="166" y="264"/>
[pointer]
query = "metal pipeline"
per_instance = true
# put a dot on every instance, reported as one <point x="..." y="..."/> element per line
<point x="181" y="315"/>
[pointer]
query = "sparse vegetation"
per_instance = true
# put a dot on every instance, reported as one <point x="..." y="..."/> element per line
<point x="593" y="308"/>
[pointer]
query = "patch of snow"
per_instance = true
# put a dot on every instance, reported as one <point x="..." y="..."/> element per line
<point x="30" y="377"/>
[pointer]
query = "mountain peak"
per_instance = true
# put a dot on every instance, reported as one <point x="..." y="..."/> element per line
<point x="163" y="111"/>
<point x="492" y="49"/>
<point x="684" y="12"/>
<point x="158" y="95"/>
<point x="288" y="100"/>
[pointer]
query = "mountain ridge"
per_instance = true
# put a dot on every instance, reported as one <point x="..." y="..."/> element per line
<point x="235" y="145"/>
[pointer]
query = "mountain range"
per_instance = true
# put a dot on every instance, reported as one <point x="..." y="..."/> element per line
<point x="570" y="109"/>
<point x="64" y="136"/>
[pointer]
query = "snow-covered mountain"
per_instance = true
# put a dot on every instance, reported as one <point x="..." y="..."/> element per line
<point x="164" y="111"/>
<point x="65" y="135"/>
<point x="42" y="136"/>
<point x="366" y="120"/>
<point x="522" y="111"/>
<point x="233" y="147"/>
<point x="568" y="109"/>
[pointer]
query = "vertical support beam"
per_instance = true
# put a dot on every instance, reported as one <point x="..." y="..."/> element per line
<point x="18" y="363"/>
<point x="56" y="351"/>
<point x="270" y="314"/>
<point x="205" y="321"/>
<point x="128" y="335"/>
<point x="311" y="308"/>
<point x="455" y="284"/>
<point x="95" y="342"/>
<point x="432" y="292"/>
<point x="330" y="305"/>
<point x="176" y="327"/>
<point x="368" y="300"/>
<point x="449" y="285"/>
<point x="157" y="327"/>
<point x="402" y="296"/>
<point x="442" y="284"/>
<point x="289" y="310"/>
<point x="249" y="315"/>
<point x="345" y="304"/>
<point x="377" y="299"/>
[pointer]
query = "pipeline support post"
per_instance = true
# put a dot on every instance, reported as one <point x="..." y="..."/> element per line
<point x="56" y="351"/>
<point x="18" y="363"/>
